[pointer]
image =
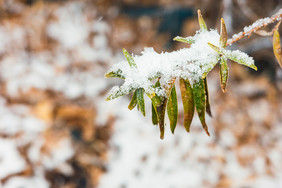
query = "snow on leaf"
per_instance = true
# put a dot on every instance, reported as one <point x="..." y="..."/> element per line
<point x="117" y="91"/>
<point x="215" y="48"/>
<point x="188" y="40"/>
<point x="115" y="74"/>
<point x="129" y="59"/>
<point x="223" y="74"/>
<point x="202" y="23"/>
<point x="240" y="57"/>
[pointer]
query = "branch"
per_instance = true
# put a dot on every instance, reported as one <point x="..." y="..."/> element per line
<point x="249" y="30"/>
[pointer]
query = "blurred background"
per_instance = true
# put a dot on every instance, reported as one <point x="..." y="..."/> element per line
<point x="57" y="130"/>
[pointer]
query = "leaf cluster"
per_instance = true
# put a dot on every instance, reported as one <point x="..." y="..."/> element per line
<point x="195" y="96"/>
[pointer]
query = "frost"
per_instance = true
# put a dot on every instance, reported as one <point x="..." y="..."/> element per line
<point x="239" y="57"/>
<point x="248" y="30"/>
<point x="258" y="23"/>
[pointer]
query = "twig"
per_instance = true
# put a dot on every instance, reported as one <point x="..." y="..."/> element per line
<point x="249" y="30"/>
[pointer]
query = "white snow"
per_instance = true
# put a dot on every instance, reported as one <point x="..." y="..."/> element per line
<point x="256" y="25"/>
<point x="58" y="155"/>
<point x="189" y="63"/>
<point x="11" y="161"/>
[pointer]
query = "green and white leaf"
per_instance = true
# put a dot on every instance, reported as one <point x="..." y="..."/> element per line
<point x="240" y="57"/>
<point x="223" y="73"/>
<point x="115" y="74"/>
<point x="189" y="40"/>
<point x="140" y="100"/>
<point x="117" y="91"/>
<point x="129" y="59"/>
<point x="210" y="66"/>
<point x="201" y="21"/>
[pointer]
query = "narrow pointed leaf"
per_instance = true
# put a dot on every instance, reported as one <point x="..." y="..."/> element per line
<point x="240" y="57"/>
<point x="115" y="74"/>
<point x="210" y="67"/>
<point x="133" y="101"/>
<point x="223" y="34"/>
<point x="117" y="92"/>
<point x="161" y="117"/>
<point x="140" y="100"/>
<point x="215" y="48"/>
<point x="129" y="59"/>
<point x="156" y="100"/>
<point x="155" y="120"/>
<point x="208" y="107"/>
<point x="202" y="23"/>
<point x="188" y="102"/>
<point x="223" y="74"/>
<point x="200" y="102"/>
<point x="172" y="109"/>
<point x="188" y="40"/>
<point x="277" y="47"/>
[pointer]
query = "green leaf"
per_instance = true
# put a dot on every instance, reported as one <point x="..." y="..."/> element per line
<point x="236" y="55"/>
<point x="188" y="40"/>
<point x="200" y="102"/>
<point x="188" y="102"/>
<point x="129" y="59"/>
<point x="240" y="57"/>
<point x="223" y="34"/>
<point x="155" y="120"/>
<point x="133" y="101"/>
<point x="223" y="74"/>
<point x="113" y="74"/>
<point x="161" y="116"/>
<point x="156" y="100"/>
<point x="215" y="48"/>
<point x="277" y="47"/>
<point x="117" y="92"/>
<point x="202" y="23"/>
<point x="140" y="100"/>
<point x="210" y="67"/>
<point x="208" y="107"/>
<point x="172" y="109"/>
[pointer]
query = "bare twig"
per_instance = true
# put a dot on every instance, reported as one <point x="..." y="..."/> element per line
<point x="248" y="31"/>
